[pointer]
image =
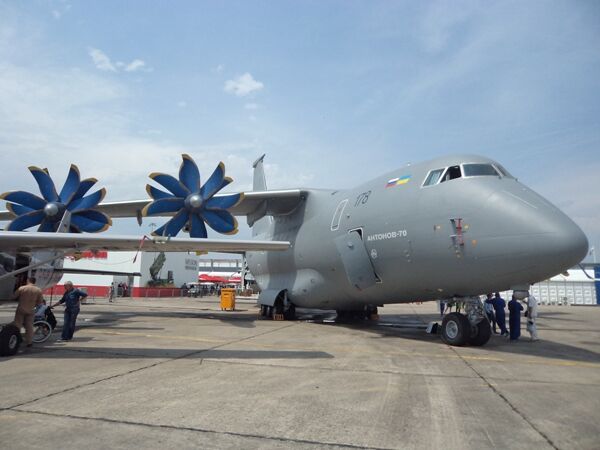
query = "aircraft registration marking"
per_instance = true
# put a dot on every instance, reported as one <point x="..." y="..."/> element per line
<point x="387" y="235"/>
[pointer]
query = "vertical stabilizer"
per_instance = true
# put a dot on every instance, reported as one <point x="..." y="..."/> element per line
<point x="257" y="219"/>
<point x="259" y="182"/>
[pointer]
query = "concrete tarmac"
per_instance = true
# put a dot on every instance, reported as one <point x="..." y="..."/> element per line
<point x="181" y="373"/>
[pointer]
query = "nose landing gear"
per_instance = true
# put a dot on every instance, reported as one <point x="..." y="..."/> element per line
<point x="470" y="327"/>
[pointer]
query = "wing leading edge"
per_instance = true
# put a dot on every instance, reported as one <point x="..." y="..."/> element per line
<point x="67" y="242"/>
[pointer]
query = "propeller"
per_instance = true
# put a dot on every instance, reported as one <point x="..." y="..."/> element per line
<point x="191" y="204"/>
<point x="47" y="211"/>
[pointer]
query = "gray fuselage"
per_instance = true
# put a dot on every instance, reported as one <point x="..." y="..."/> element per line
<point x="394" y="240"/>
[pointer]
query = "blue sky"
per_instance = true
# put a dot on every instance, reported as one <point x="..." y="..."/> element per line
<point x="335" y="92"/>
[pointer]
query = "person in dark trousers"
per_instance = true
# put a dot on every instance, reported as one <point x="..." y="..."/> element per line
<point x="514" y="318"/>
<point x="71" y="298"/>
<point x="488" y="307"/>
<point x="499" y="305"/>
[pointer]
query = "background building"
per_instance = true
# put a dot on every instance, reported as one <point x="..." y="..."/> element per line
<point x="178" y="268"/>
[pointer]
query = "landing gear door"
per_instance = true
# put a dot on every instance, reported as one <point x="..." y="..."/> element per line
<point x="356" y="260"/>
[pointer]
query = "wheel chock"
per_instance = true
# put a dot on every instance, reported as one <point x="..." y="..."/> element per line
<point x="278" y="317"/>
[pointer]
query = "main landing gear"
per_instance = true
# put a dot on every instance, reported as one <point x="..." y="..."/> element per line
<point x="282" y="309"/>
<point x="10" y="339"/>
<point x="369" y="312"/>
<point x="471" y="328"/>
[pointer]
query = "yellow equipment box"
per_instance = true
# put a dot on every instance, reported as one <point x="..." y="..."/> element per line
<point x="227" y="299"/>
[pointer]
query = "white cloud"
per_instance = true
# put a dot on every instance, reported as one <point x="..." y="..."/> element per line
<point x="134" y="65"/>
<point x="243" y="85"/>
<point x="101" y="60"/>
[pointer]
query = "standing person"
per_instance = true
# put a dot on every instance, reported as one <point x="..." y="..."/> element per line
<point x="29" y="296"/>
<point x="514" y="318"/>
<point x="442" y="304"/>
<point x="532" y="306"/>
<point x="488" y="307"/>
<point x="499" y="305"/>
<point x="71" y="298"/>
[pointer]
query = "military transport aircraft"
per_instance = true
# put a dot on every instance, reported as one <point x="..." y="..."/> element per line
<point x="451" y="228"/>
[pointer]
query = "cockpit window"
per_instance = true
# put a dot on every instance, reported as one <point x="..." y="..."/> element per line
<point x="433" y="177"/>
<point x="503" y="171"/>
<point x="478" y="170"/>
<point x="452" y="173"/>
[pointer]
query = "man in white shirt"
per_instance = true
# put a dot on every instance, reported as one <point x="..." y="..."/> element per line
<point x="532" y="307"/>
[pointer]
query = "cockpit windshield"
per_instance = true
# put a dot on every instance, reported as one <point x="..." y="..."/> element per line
<point x="478" y="170"/>
<point x="464" y="170"/>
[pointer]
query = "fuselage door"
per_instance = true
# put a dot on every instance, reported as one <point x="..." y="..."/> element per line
<point x="355" y="259"/>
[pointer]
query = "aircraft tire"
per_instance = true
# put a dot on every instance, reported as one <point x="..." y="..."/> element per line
<point x="10" y="339"/>
<point x="290" y="313"/>
<point x="456" y="329"/>
<point x="483" y="332"/>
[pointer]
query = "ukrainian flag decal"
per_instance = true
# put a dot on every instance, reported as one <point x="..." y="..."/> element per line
<point x="398" y="181"/>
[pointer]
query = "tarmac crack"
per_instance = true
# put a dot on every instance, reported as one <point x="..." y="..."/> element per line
<point x="200" y="430"/>
<point x="139" y="369"/>
<point x="506" y="400"/>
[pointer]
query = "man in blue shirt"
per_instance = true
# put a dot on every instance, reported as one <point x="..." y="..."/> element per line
<point x="499" y="305"/>
<point x="71" y="298"/>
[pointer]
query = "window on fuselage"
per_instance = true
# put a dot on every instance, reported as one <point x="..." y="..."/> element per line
<point x="480" y="170"/>
<point x="433" y="177"/>
<point x="452" y="173"/>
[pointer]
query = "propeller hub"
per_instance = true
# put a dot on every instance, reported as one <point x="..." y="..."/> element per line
<point x="193" y="201"/>
<point x="54" y="210"/>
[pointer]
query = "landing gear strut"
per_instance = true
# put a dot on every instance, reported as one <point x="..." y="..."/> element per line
<point x="470" y="327"/>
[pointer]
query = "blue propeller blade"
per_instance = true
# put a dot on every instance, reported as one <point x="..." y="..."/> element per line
<point x="221" y="221"/>
<point x="24" y="198"/>
<point x="84" y="187"/>
<point x="17" y="210"/>
<point x="157" y="194"/>
<point x="89" y="226"/>
<point x="224" y="201"/>
<point x="198" y="229"/>
<point x="48" y="226"/>
<point x="170" y="183"/>
<point x="26" y="220"/>
<point x="174" y="225"/>
<point x="214" y="183"/>
<point x="189" y="174"/>
<point x="71" y="185"/>
<point x="45" y="184"/>
<point x="96" y="216"/>
<point x="88" y="202"/>
<point x="163" y="205"/>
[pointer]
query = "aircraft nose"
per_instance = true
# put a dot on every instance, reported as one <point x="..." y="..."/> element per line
<point x="565" y="242"/>
<point x="542" y="235"/>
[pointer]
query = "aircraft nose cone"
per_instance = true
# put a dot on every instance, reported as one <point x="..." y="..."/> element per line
<point x="548" y="238"/>
<point x="567" y="243"/>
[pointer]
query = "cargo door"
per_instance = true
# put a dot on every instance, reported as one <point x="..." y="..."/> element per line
<point x="355" y="259"/>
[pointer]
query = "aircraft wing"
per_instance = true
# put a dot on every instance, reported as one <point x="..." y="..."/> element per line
<point x="23" y="241"/>
<point x="276" y="202"/>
